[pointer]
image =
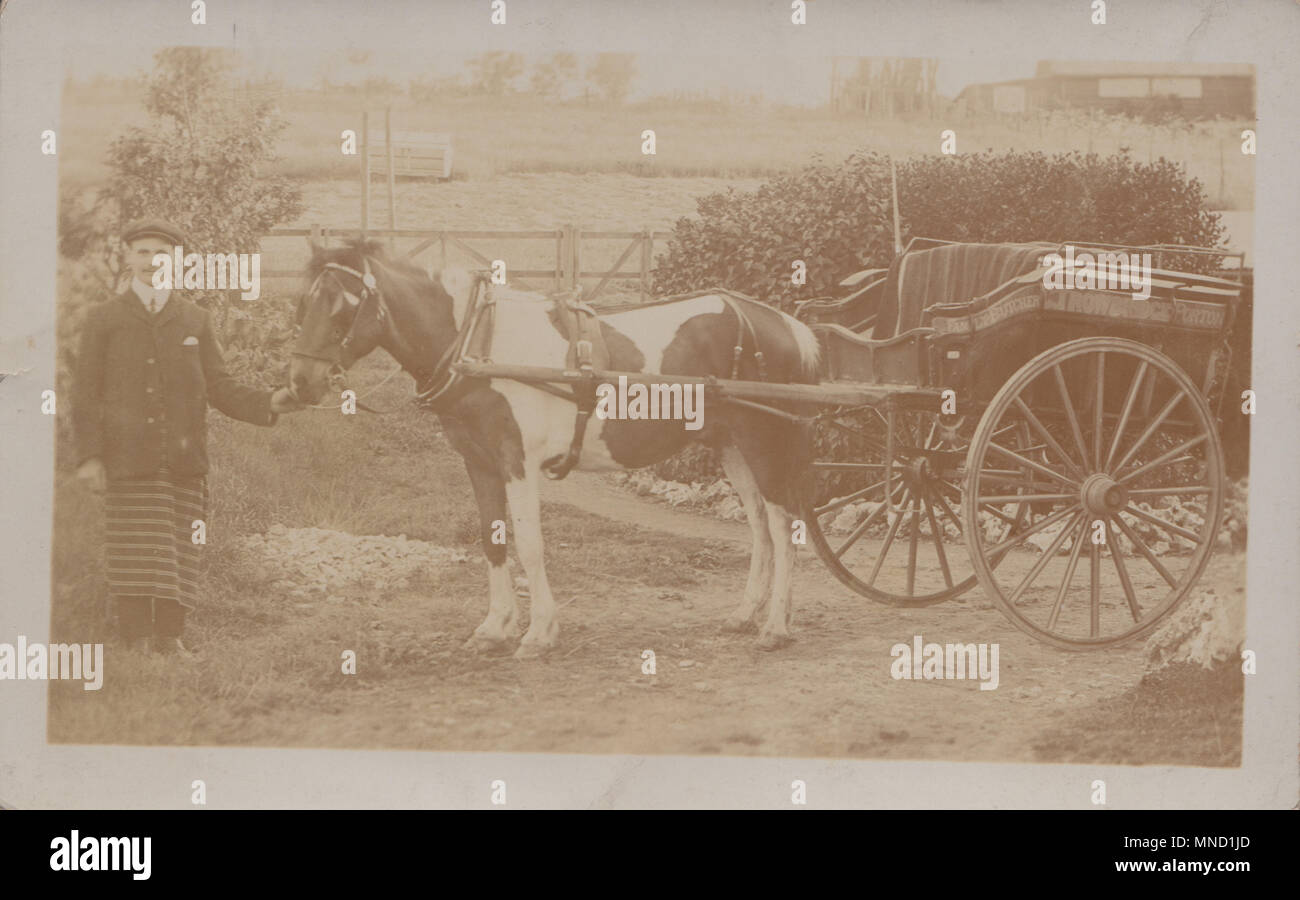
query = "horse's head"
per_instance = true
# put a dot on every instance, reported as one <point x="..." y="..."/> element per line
<point x="342" y="316"/>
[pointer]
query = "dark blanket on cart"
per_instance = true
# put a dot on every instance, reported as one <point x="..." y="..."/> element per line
<point x="953" y="273"/>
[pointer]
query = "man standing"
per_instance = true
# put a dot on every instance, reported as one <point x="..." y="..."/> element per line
<point x="148" y="365"/>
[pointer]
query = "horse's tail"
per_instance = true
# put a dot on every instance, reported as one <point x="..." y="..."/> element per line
<point x="810" y="349"/>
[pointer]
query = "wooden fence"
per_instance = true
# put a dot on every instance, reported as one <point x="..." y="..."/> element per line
<point x="451" y="247"/>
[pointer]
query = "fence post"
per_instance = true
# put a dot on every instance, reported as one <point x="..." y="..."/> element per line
<point x="442" y="248"/>
<point x="559" y="259"/>
<point x="392" y="179"/>
<point x="1223" y="184"/>
<point x="365" y="172"/>
<point x="576" y="233"/>
<point x="647" y="247"/>
<point x="314" y="239"/>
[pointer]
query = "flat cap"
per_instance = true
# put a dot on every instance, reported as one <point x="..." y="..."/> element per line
<point x="153" y="228"/>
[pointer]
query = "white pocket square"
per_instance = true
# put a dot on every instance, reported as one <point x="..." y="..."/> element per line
<point x="190" y="341"/>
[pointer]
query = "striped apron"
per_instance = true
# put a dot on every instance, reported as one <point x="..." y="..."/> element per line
<point x="149" y="528"/>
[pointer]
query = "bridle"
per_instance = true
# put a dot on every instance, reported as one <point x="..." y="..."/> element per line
<point x="430" y="387"/>
<point x="369" y="287"/>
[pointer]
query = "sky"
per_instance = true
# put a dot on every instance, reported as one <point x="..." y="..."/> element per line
<point x="802" y="80"/>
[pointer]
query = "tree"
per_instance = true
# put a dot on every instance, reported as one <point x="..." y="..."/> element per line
<point x="611" y="74"/>
<point x="550" y="79"/>
<point x="199" y="163"/>
<point x="492" y="73"/>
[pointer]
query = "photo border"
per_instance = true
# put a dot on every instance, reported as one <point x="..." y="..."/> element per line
<point x="33" y="38"/>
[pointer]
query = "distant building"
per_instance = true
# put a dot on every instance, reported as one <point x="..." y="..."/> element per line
<point x="1194" y="90"/>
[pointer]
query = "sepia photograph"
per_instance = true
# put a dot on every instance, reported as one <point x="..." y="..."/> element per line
<point x="630" y="397"/>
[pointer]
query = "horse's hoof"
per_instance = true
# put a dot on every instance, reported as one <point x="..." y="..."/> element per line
<point x="488" y="646"/>
<point x="737" y="625"/>
<point x="772" y="641"/>
<point x="533" y="650"/>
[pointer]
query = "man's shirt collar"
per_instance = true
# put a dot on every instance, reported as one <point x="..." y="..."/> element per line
<point x="147" y="292"/>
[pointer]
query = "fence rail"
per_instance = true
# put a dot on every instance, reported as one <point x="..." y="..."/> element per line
<point x="568" y="272"/>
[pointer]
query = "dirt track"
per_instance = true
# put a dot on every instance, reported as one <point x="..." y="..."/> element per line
<point x="830" y="694"/>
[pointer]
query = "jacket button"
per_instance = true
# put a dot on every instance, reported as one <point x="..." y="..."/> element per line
<point x="148" y="390"/>
<point x="149" y="360"/>
<point x="149" y="420"/>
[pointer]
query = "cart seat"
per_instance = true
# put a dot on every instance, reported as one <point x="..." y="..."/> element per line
<point x="948" y="274"/>
<point x="850" y="357"/>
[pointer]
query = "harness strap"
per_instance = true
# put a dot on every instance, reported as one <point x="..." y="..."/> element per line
<point x="587" y="353"/>
<point x="743" y="324"/>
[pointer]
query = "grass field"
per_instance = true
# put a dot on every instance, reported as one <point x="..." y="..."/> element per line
<point x="520" y="134"/>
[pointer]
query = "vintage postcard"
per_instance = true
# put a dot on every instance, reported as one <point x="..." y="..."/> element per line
<point x="569" y="404"/>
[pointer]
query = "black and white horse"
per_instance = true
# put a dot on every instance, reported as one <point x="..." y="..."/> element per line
<point x="506" y="430"/>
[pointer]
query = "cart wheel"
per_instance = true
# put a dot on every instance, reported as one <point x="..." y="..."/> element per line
<point x="909" y="556"/>
<point x="1127" y="465"/>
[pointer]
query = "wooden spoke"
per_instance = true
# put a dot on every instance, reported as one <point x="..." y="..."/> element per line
<point x="1003" y="475"/>
<point x="1051" y="441"/>
<point x="947" y="510"/>
<point x="1006" y="427"/>
<point x="1150" y="430"/>
<point x="1094" y="590"/>
<point x="1145" y="551"/>
<point x="1118" y="556"/>
<point x="1161" y="523"/>
<point x="1037" y="467"/>
<point x="994" y="511"/>
<point x="1098" y="411"/>
<point x="1171" y="492"/>
<point x="936" y="533"/>
<point x="1043" y="560"/>
<point x="1163" y="458"/>
<point x="847" y="466"/>
<point x="862" y="528"/>
<point x="1125" y="412"/>
<point x="1070" y="566"/>
<point x="1069" y="412"/>
<point x="889" y="540"/>
<point x="915" y="520"/>
<point x="1029" y="498"/>
<point x="1011" y="540"/>
<point x="846" y="500"/>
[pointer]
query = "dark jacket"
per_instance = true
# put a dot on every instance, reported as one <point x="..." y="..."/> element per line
<point x="142" y="385"/>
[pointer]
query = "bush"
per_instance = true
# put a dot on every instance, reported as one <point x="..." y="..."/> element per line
<point x="835" y="218"/>
<point x="839" y="220"/>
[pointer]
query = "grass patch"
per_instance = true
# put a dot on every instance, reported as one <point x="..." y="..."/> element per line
<point x="1183" y="715"/>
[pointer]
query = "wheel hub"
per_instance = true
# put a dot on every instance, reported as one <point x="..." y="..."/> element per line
<point x="1103" y="495"/>
<point x="916" y="472"/>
